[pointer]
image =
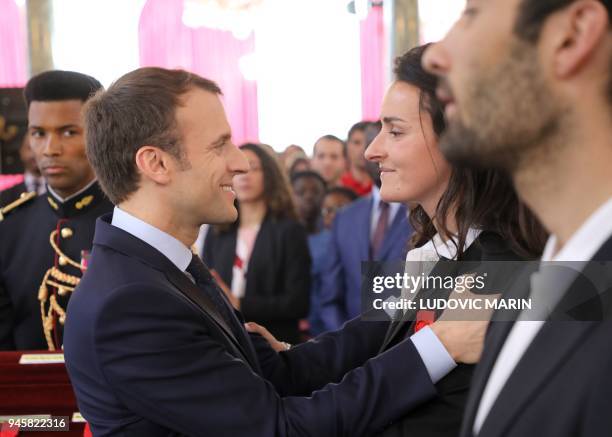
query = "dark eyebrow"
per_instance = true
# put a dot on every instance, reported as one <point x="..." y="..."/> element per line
<point x="67" y="126"/>
<point x="222" y="139"/>
<point x="390" y="120"/>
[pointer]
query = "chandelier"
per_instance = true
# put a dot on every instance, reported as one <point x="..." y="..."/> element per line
<point x="236" y="16"/>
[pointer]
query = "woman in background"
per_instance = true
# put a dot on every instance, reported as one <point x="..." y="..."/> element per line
<point x="262" y="259"/>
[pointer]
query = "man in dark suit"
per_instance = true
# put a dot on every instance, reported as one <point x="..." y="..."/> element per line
<point x="151" y="344"/>
<point x="545" y="118"/>
<point x="366" y="230"/>
<point x="46" y="240"/>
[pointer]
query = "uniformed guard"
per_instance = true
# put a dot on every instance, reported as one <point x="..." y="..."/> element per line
<point x="45" y="240"/>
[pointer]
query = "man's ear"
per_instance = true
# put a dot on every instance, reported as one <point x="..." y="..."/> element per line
<point x="154" y="164"/>
<point x="579" y="29"/>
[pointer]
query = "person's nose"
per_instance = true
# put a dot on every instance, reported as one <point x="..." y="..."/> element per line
<point x="238" y="163"/>
<point x="52" y="145"/>
<point x="435" y="59"/>
<point x="375" y="151"/>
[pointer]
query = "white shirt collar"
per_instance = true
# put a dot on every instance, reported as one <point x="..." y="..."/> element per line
<point x="173" y="249"/>
<point x="82" y="190"/>
<point x="375" y="195"/>
<point x="30" y="180"/>
<point x="447" y="249"/>
<point x="585" y="242"/>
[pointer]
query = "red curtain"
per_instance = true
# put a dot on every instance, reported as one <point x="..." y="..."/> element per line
<point x="166" y="42"/>
<point x="13" y="46"/>
<point x="372" y="63"/>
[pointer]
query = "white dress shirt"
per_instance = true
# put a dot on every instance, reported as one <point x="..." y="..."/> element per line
<point x="582" y="246"/>
<point x="173" y="249"/>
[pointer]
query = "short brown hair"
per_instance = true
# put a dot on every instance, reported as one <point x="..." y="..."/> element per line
<point x="138" y="109"/>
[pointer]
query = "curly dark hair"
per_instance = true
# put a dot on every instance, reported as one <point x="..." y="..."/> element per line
<point x="482" y="199"/>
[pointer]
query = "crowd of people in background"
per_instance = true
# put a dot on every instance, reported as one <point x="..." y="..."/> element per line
<point x="282" y="262"/>
<point x="288" y="204"/>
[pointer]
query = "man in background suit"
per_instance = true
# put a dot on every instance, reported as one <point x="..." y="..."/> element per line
<point x="151" y="344"/>
<point x="366" y="230"/>
<point x="545" y="118"/>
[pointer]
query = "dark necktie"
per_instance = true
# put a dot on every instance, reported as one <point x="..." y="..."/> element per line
<point x="205" y="282"/>
<point x="380" y="230"/>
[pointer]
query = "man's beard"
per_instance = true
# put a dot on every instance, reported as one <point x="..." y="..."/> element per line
<point x="511" y="112"/>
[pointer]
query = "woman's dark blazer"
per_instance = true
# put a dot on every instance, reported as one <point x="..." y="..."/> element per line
<point x="278" y="276"/>
<point x="441" y="417"/>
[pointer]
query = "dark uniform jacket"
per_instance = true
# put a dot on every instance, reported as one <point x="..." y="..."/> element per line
<point x="11" y="194"/>
<point x="26" y="255"/>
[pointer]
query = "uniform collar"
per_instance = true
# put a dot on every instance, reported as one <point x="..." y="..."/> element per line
<point x="76" y="204"/>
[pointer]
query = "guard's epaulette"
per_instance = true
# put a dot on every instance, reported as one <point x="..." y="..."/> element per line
<point x="24" y="198"/>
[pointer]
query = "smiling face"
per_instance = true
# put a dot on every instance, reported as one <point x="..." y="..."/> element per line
<point x="497" y="95"/>
<point x="202" y="181"/>
<point x="412" y="168"/>
<point x="55" y="133"/>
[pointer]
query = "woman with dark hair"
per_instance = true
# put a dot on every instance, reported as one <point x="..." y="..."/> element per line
<point x="457" y="213"/>
<point x="262" y="261"/>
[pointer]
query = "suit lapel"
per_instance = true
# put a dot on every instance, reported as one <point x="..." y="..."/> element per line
<point x="201" y="300"/>
<point x="549" y="350"/>
<point x="364" y="225"/>
<point x="495" y="338"/>
<point x="442" y="268"/>
<point x="121" y="241"/>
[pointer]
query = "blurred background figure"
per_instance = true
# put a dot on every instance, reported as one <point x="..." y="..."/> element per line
<point x="32" y="179"/>
<point x="262" y="260"/>
<point x="335" y="199"/>
<point x="366" y="230"/>
<point x="309" y="191"/>
<point x="357" y="177"/>
<point x="299" y="165"/>
<point x="329" y="159"/>
<point x="290" y="155"/>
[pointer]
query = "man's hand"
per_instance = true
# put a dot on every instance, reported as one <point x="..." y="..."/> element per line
<point x="462" y="331"/>
<point x="463" y="340"/>
<point x="278" y="346"/>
